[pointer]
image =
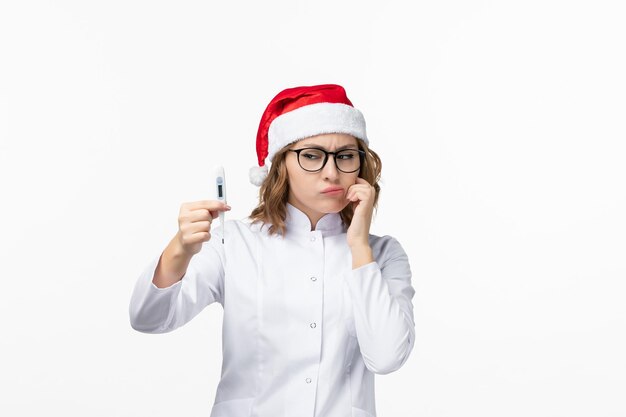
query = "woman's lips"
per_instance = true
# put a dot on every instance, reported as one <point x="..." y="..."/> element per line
<point x="332" y="191"/>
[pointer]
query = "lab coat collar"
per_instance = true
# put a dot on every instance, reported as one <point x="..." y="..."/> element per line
<point x="298" y="222"/>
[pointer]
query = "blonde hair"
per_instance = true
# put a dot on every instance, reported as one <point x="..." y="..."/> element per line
<point x="274" y="190"/>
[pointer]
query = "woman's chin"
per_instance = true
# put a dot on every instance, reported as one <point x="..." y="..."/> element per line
<point x="334" y="206"/>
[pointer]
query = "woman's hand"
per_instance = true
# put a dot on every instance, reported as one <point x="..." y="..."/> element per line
<point x="361" y="196"/>
<point x="194" y="228"/>
<point x="194" y="223"/>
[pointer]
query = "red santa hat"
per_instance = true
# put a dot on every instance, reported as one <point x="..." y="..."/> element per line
<point x="301" y="112"/>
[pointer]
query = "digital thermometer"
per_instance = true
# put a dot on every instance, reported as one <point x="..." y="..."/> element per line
<point x="219" y="185"/>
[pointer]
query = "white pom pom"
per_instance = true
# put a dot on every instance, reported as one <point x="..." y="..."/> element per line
<point x="257" y="175"/>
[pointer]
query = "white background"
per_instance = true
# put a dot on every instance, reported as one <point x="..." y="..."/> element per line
<point x="501" y="129"/>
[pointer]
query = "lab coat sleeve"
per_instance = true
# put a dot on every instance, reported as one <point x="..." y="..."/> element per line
<point x="161" y="310"/>
<point x="383" y="312"/>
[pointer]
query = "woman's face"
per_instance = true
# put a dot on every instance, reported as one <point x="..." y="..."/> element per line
<point x="308" y="191"/>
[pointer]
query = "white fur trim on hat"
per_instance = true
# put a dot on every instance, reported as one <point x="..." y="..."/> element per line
<point x="257" y="174"/>
<point x="314" y="119"/>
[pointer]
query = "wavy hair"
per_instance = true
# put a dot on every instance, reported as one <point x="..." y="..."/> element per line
<point x="274" y="190"/>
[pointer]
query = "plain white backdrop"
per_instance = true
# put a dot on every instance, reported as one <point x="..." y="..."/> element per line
<point x="501" y="129"/>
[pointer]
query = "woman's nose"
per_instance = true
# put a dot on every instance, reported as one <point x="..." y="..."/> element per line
<point x="330" y="169"/>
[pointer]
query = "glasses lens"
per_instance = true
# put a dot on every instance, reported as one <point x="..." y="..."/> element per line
<point x="311" y="159"/>
<point x="348" y="160"/>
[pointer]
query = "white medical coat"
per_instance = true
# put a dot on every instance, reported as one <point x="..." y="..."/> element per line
<point x="303" y="333"/>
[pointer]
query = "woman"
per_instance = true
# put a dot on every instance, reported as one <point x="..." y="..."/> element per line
<point x="314" y="305"/>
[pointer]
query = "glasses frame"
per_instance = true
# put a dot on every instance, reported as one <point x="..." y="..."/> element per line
<point x="326" y="153"/>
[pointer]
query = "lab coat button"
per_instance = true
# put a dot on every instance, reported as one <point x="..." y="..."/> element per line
<point x="313" y="279"/>
<point x="312" y="238"/>
<point x="313" y="325"/>
<point x="308" y="380"/>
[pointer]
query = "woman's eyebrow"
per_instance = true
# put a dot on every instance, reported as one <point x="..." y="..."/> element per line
<point x="313" y="145"/>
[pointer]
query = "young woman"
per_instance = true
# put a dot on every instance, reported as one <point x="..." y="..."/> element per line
<point x="314" y="305"/>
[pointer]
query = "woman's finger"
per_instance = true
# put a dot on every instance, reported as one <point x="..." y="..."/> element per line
<point x="360" y="192"/>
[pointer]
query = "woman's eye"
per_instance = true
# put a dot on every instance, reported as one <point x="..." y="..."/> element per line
<point x="310" y="156"/>
<point x="346" y="156"/>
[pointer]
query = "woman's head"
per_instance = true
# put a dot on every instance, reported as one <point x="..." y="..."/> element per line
<point x="289" y="181"/>
<point x="300" y="129"/>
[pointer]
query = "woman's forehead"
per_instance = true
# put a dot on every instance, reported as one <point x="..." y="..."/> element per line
<point x="337" y="140"/>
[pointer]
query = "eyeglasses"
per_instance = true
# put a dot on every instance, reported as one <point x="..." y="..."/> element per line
<point x="314" y="159"/>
